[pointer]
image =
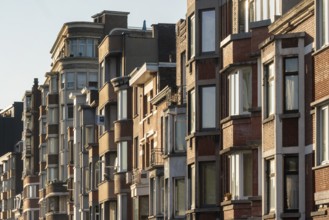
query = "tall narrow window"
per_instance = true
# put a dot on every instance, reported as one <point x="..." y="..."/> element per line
<point x="270" y="185"/>
<point x="323" y="136"/>
<point x="70" y="81"/>
<point x="81" y="80"/>
<point x="323" y="35"/>
<point x="93" y="80"/>
<point x="291" y="183"/>
<point x="243" y="16"/>
<point x="208" y="36"/>
<point x="241" y="175"/>
<point x="191" y="111"/>
<point x="180" y="133"/>
<point x="122" y="156"/>
<point x="179" y="199"/>
<point x="269" y="89"/>
<point x="183" y="75"/>
<point x="207" y="183"/>
<point x="291" y="83"/>
<point x="70" y="111"/>
<point x="240" y="93"/>
<point x="122" y="104"/>
<point x="192" y="36"/>
<point x="191" y="186"/>
<point x="208" y="106"/>
<point x="54" y="84"/>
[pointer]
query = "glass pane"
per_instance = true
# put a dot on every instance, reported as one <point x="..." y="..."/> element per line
<point x="324" y="134"/>
<point x="291" y="65"/>
<point x="209" y="183"/>
<point x="70" y="81"/>
<point x="246" y="90"/>
<point x="291" y="92"/>
<point x="208" y="107"/>
<point x="90" y="48"/>
<point x="82" y="80"/>
<point x="180" y="129"/>
<point x="271" y="186"/>
<point x="208" y="31"/>
<point x="192" y="36"/>
<point x="192" y="111"/>
<point x="180" y="197"/>
<point x="247" y="174"/>
<point x="82" y="47"/>
<point x="292" y="191"/>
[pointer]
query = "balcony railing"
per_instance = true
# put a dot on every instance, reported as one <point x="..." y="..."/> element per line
<point x="156" y="157"/>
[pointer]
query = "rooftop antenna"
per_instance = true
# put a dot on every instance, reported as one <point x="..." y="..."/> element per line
<point x="144" y="25"/>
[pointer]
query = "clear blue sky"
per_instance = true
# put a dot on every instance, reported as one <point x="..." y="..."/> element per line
<point x="29" y="29"/>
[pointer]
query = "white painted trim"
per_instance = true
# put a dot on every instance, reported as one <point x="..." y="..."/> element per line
<point x="309" y="149"/>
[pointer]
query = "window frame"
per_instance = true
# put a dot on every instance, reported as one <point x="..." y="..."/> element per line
<point x="269" y="79"/>
<point x="205" y="30"/>
<point x="270" y="175"/>
<point x="286" y="173"/>
<point x="323" y="127"/>
<point x="205" y="108"/>
<point x="191" y="36"/>
<point x="192" y="112"/>
<point x="203" y="182"/>
<point x="288" y="74"/>
<point x="122" y="112"/>
<point x="322" y="29"/>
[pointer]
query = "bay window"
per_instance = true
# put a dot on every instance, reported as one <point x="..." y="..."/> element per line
<point x="93" y="80"/>
<point x="53" y="145"/>
<point x="269" y="89"/>
<point x="52" y="115"/>
<point x="241" y="175"/>
<point x="180" y="130"/>
<point x="323" y="19"/>
<point x="207" y="183"/>
<point x="291" y="183"/>
<point x="323" y="146"/>
<point x="82" y="47"/>
<point x="54" y="84"/>
<point x="291" y="84"/>
<point x="122" y="156"/>
<point x="240" y="92"/>
<point x="208" y="105"/>
<point x="122" y="104"/>
<point x="208" y="30"/>
<point x="191" y="35"/>
<point x="52" y="173"/>
<point x="179" y="196"/>
<point x="70" y="80"/>
<point x="191" y="110"/>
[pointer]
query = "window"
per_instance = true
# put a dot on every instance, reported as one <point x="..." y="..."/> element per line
<point x="53" y="145"/>
<point x="323" y="149"/>
<point x="93" y="80"/>
<point x="113" y="116"/>
<point x="115" y="67"/>
<point x="70" y="111"/>
<point x="52" y="174"/>
<point x="122" y="156"/>
<point x="208" y="106"/>
<point x="102" y="78"/>
<point x="122" y="104"/>
<point x="291" y="84"/>
<point x="82" y="47"/>
<point x="271" y="8"/>
<point x="89" y="134"/>
<point x="32" y="191"/>
<point x="81" y="80"/>
<point x="269" y="89"/>
<point x="113" y="210"/>
<point x="291" y="183"/>
<point x="122" y="206"/>
<point x="179" y="199"/>
<point x="153" y="200"/>
<point x="208" y="37"/>
<point x="191" y="185"/>
<point x="136" y="150"/>
<point x="243" y="16"/>
<point x="323" y="13"/>
<point x="70" y="81"/>
<point x="241" y="175"/>
<point x="183" y="76"/>
<point x="207" y="183"/>
<point x="180" y="133"/>
<point x="96" y="173"/>
<point x="270" y="185"/>
<point x="191" y="111"/>
<point x="192" y="36"/>
<point x="53" y="84"/>
<point x="52" y="115"/>
<point x="240" y="91"/>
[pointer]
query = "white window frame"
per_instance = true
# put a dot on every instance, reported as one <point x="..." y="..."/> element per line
<point x="323" y="28"/>
<point x="269" y="74"/>
<point x="122" y="156"/>
<point x="237" y="173"/>
<point x="192" y="36"/>
<point x="237" y="91"/>
<point x="177" y="196"/>
<point x="323" y="136"/>
<point x="122" y="104"/>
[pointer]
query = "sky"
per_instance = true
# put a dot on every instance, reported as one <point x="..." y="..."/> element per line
<point x="28" y="29"/>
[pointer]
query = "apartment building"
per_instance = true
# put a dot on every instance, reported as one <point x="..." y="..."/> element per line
<point x="74" y="67"/>
<point x="11" y="184"/>
<point x="30" y="152"/>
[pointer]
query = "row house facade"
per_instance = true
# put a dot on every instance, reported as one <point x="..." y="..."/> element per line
<point x="221" y="116"/>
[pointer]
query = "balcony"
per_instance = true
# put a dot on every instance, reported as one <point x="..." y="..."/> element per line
<point x="106" y="142"/>
<point x="56" y="188"/>
<point x="56" y="216"/>
<point x="156" y="158"/>
<point x="122" y="128"/>
<point x="139" y="177"/>
<point x="107" y="95"/>
<point x="106" y="191"/>
<point x="120" y="183"/>
<point x="110" y="45"/>
<point x="93" y="196"/>
<point x="42" y="193"/>
<point x="52" y="99"/>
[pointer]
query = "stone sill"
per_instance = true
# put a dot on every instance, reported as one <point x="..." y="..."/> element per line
<point x="319" y="213"/>
<point x="269" y="216"/>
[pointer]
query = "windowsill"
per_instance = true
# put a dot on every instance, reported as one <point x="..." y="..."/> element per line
<point x="237" y="201"/>
<point x="269" y="119"/>
<point x="206" y="55"/>
<point x="174" y="154"/>
<point x="235" y="117"/>
<point x="234" y="37"/>
<point x="320" y="50"/>
<point x="235" y="149"/>
<point x="289" y="115"/>
<point x="204" y="209"/>
<point x="319" y="213"/>
<point x="321" y="166"/>
<point x="269" y="215"/>
<point x="290" y="215"/>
